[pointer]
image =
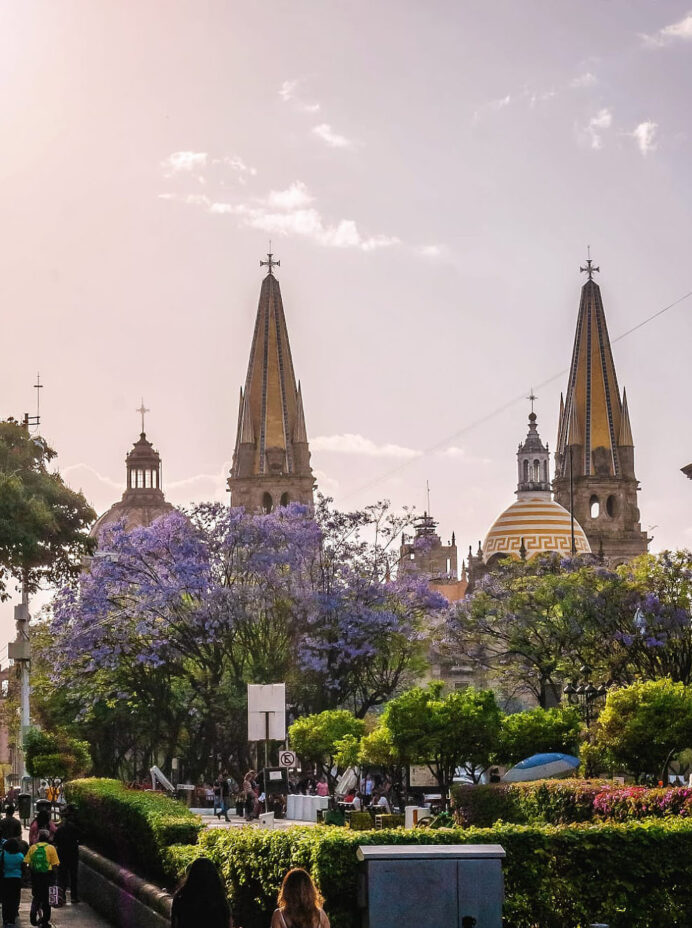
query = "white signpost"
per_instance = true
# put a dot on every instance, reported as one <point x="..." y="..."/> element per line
<point x="266" y="717"/>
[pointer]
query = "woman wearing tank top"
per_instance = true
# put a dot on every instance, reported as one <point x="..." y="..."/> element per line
<point x="299" y="903"/>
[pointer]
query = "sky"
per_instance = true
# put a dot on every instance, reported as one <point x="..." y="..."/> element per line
<point x="430" y="176"/>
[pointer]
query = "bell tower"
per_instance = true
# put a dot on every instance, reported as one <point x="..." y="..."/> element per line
<point x="594" y="463"/>
<point x="271" y="461"/>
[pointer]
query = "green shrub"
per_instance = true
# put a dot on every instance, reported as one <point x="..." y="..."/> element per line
<point x="130" y="826"/>
<point x="633" y="875"/>
<point x="359" y="821"/>
<point x="553" y="801"/>
<point x="390" y="821"/>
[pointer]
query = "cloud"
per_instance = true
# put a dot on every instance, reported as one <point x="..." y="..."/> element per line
<point x="236" y="163"/>
<point x="645" y="137"/>
<point x="541" y="97"/>
<point x="349" y="443"/>
<point x="680" y="30"/>
<point x="287" y="90"/>
<point x="296" y="195"/>
<point x="325" y="132"/>
<point x="184" y="161"/>
<point x="603" y="119"/>
<point x="583" y="80"/>
<point x="81" y="467"/>
<point x="288" y="94"/>
<point x="453" y="452"/>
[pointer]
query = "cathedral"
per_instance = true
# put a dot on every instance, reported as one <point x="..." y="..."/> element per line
<point x="590" y="506"/>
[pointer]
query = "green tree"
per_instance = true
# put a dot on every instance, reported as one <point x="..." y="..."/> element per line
<point x="538" y="731"/>
<point x="43" y="523"/>
<point x="445" y="732"/>
<point x="644" y="726"/>
<point x="324" y="739"/>
<point x="55" y="756"/>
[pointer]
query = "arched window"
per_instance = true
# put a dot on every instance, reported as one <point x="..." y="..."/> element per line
<point x="611" y="506"/>
<point x="594" y="507"/>
<point x="284" y="499"/>
<point x="536" y="471"/>
<point x="267" y="502"/>
<point x="526" y="471"/>
<point x="545" y="471"/>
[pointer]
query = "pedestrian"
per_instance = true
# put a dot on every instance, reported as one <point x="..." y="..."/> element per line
<point x="299" y="904"/>
<point x="41" y="822"/>
<point x="11" y="867"/>
<point x="225" y="798"/>
<point x="10" y="827"/>
<point x="200" y="900"/>
<point x="250" y="792"/>
<point x="67" y="845"/>
<point x="322" y="787"/>
<point x="217" y="796"/>
<point x="42" y="860"/>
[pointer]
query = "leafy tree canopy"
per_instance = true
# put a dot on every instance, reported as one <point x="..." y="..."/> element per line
<point x="43" y="523"/>
<point x="644" y="726"/>
<point x="55" y="755"/>
<point x="538" y="731"/>
<point x="327" y="739"/>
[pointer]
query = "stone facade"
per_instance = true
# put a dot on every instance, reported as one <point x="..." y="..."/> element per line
<point x="271" y="461"/>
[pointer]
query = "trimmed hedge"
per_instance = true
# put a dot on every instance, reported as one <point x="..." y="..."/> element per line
<point x="129" y="826"/>
<point x="637" y="802"/>
<point x="555" y="802"/>
<point x="633" y="875"/>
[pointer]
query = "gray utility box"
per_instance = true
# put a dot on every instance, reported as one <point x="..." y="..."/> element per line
<point x="436" y="885"/>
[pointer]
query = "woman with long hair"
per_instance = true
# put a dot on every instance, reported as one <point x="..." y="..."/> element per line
<point x="200" y="900"/>
<point x="299" y="903"/>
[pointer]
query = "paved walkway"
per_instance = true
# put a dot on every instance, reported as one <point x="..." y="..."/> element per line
<point x="69" y="916"/>
<point x="236" y="821"/>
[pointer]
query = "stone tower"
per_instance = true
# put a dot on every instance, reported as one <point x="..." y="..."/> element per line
<point x="594" y="463"/>
<point x="271" y="461"/>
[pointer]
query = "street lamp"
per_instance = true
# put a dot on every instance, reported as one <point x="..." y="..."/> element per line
<point x="585" y="695"/>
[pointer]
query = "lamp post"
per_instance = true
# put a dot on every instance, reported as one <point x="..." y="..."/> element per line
<point x="585" y="695"/>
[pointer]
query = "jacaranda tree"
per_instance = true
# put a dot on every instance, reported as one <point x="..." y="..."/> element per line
<point x="172" y="621"/>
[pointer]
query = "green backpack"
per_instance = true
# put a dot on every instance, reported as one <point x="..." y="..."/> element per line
<point x="39" y="859"/>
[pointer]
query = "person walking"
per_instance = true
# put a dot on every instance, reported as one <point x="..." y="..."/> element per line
<point x="67" y="845"/>
<point x="10" y="827"/>
<point x="42" y="860"/>
<point x="300" y="903"/>
<point x="41" y="822"/>
<point x="200" y="900"/>
<point x="11" y="865"/>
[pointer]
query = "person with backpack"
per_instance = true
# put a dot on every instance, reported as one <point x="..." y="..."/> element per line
<point x="11" y="859"/>
<point x="67" y="845"/>
<point x="42" y="861"/>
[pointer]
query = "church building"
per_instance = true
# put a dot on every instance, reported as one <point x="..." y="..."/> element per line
<point x="271" y="461"/>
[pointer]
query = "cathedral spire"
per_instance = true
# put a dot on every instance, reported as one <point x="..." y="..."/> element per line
<point x="271" y="462"/>
<point x="533" y="461"/>
<point x="594" y="463"/>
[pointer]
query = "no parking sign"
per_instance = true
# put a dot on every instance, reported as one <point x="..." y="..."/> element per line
<point x="287" y="759"/>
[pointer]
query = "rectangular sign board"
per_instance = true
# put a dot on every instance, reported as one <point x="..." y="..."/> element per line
<point x="266" y="702"/>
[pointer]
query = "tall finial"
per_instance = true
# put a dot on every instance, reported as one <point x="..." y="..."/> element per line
<point x="427" y="492"/>
<point x="142" y="410"/>
<point x="270" y="263"/>
<point x="532" y="397"/>
<point x="589" y="269"/>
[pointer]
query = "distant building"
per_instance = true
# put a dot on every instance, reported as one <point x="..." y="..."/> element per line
<point x="595" y="450"/>
<point x="143" y="500"/>
<point x="687" y="470"/>
<point x="271" y="461"/>
<point x="423" y="554"/>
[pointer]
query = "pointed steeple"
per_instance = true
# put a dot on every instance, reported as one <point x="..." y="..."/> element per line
<point x="271" y="463"/>
<point x="625" y="439"/>
<point x="594" y="463"/>
<point x="533" y="462"/>
<point x="592" y="390"/>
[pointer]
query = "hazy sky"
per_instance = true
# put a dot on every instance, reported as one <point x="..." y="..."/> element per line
<point x="430" y="174"/>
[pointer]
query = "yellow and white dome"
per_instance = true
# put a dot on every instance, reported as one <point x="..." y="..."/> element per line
<point x="543" y="525"/>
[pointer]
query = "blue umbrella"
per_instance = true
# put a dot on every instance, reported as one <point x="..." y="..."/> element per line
<point x="542" y="766"/>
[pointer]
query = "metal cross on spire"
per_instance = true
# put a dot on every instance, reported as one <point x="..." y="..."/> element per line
<point x="589" y="269"/>
<point x="270" y="263"/>
<point x="532" y="397"/>
<point x="142" y="410"/>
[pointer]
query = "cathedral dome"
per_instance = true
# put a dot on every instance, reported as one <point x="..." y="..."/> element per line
<point x="540" y="523"/>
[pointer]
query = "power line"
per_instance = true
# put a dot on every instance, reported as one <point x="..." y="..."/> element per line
<point x="500" y="409"/>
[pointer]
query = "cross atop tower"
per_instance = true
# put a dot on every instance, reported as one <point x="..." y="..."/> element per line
<point x="142" y="410"/>
<point x="589" y="269"/>
<point x="532" y="397"/>
<point x="270" y="263"/>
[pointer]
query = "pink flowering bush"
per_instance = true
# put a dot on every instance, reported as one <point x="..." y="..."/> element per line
<point x="637" y="802"/>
